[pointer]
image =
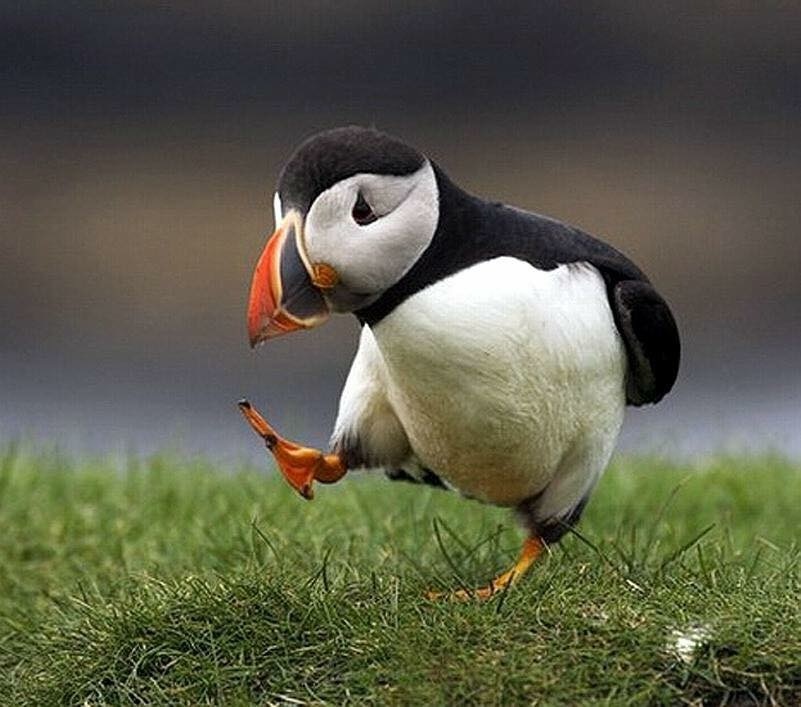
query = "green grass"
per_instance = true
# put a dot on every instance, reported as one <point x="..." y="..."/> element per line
<point x="170" y="582"/>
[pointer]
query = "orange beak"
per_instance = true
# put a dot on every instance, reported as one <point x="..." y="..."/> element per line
<point x="283" y="297"/>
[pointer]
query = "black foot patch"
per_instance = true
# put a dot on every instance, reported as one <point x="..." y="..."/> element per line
<point x="428" y="477"/>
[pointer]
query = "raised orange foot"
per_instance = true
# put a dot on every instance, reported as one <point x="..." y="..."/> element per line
<point x="301" y="466"/>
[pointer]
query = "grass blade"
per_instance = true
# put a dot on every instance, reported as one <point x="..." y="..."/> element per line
<point x="689" y="544"/>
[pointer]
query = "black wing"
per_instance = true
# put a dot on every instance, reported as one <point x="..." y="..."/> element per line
<point x="651" y="338"/>
<point x="642" y="316"/>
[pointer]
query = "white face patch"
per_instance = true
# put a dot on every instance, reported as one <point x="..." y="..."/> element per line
<point x="371" y="258"/>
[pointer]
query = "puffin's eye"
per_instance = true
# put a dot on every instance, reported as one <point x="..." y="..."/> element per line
<point x="362" y="213"/>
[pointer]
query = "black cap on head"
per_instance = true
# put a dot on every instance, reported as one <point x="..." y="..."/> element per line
<point x="331" y="156"/>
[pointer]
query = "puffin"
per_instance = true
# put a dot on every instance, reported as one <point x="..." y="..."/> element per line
<point x="499" y="348"/>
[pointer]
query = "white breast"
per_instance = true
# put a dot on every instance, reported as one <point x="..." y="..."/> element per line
<point x="505" y="377"/>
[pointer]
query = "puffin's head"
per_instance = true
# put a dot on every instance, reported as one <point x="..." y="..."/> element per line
<point x="354" y="210"/>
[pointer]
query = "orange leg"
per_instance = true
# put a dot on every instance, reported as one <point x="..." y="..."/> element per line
<point x="301" y="466"/>
<point x="532" y="549"/>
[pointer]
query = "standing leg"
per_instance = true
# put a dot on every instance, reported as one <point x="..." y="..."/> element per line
<point x="532" y="549"/>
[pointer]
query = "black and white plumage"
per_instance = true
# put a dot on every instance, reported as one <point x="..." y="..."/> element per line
<point x="499" y="348"/>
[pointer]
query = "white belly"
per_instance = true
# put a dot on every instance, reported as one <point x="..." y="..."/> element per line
<point x="504" y="377"/>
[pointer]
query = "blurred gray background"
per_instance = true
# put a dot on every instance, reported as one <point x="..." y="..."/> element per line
<point x="139" y="144"/>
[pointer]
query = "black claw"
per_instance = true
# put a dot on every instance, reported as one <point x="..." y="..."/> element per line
<point x="244" y="403"/>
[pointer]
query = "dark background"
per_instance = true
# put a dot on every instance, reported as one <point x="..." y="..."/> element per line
<point x="140" y="142"/>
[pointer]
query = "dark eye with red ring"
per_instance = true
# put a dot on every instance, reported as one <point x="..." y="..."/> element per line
<point x="362" y="213"/>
